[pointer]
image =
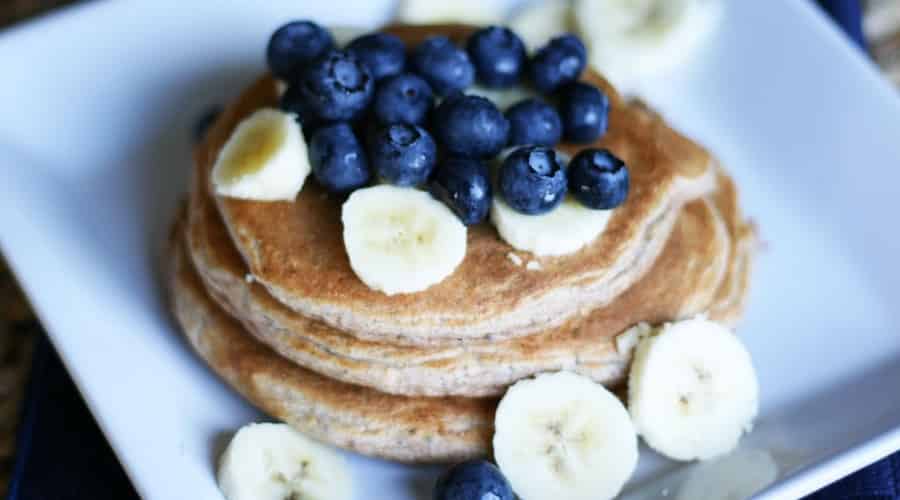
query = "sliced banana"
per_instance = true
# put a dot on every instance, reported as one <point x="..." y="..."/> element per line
<point x="627" y="341"/>
<point x="563" y="230"/>
<point x="401" y="240"/>
<point x="274" y="462"/>
<point x="561" y="435"/>
<point x="477" y="12"/>
<point x="345" y="34"/>
<point x="281" y="87"/>
<point x="630" y="40"/>
<point x="502" y="98"/>
<point x="692" y="390"/>
<point x="264" y="159"/>
<point x="539" y="21"/>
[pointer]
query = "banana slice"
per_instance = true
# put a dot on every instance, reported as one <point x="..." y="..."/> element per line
<point x="503" y="98"/>
<point x="692" y="390"/>
<point x="264" y="159"/>
<point x="477" y="12"/>
<point x="540" y="21"/>
<point x="563" y="230"/>
<point x="560" y="435"/>
<point x="627" y="341"/>
<point x="401" y="240"/>
<point x="629" y="40"/>
<point x="274" y="462"/>
<point x="345" y="34"/>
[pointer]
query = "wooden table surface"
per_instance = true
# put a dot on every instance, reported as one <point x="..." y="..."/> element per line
<point x="882" y="27"/>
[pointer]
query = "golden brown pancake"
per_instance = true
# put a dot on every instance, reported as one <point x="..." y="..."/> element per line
<point x="731" y="297"/>
<point x="295" y="249"/>
<point x="407" y="429"/>
<point x="682" y="283"/>
<point x="353" y="417"/>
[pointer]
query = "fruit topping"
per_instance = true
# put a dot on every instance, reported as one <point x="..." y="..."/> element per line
<point x="498" y="55"/>
<point x="444" y="65"/>
<point x="337" y="86"/>
<point x="295" y="45"/>
<point x="471" y="126"/>
<point x="338" y="160"/>
<point x="532" y="181"/>
<point x="404" y="98"/>
<point x="598" y="179"/>
<point x="463" y="185"/>
<point x="403" y="154"/>
<point x="384" y="54"/>
<point x="534" y="122"/>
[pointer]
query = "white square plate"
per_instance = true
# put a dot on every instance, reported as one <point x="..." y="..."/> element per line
<point x="96" y="104"/>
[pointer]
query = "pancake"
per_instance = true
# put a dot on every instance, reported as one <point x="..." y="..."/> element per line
<point x="295" y="249"/>
<point x="683" y="282"/>
<point x="731" y="296"/>
<point x="406" y="429"/>
<point x="417" y="430"/>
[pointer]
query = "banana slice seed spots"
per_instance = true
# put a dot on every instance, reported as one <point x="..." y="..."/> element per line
<point x="295" y="482"/>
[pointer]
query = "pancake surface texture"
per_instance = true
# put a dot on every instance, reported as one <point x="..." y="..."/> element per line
<point x="683" y="282"/>
<point x="357" y="418"/>
<point x="295" y="249"/>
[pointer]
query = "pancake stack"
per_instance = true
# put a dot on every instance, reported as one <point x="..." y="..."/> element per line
<point x="265" y="294"/>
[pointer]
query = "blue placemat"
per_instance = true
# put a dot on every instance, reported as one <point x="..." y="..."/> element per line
<point x="62" y="454"/>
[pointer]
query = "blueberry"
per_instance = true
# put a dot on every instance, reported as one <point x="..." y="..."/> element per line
<point x="337" y="87"/>
<point x="473" y="480"/>
<point x="405" y="98"/>
<point x="444" y="65"/>
<point x="532" y="181"/>
<point x="598" y="179"/>
<point x="403" y="154"/>
<point x="471" y="126"/>
<point x="293" y="101"/>
<point x="559" y="62"/>
<point x="384" y="54"/>
<point x="295" y="45"/>
<point x="533" y="121"/>
<point x="498" y="55"/>
<point x="585" y="112"/>
<point x="463" y="185"/>
<point x="204" y="122"/>
<point x="337" y="158"/>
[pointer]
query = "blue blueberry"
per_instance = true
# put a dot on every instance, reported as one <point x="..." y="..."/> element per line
<point x="498" y="55"/>
<point x="403" y="154"/>
<point x="293" y="101"/>
<point x="585" y="112"/>
<point x="598" y="179"/>
<point x="384" y="54"/>
<point x="533" y="121"/>
<point x="445" y="66"/>
<point x="471" y="126"/>
<point x="559" y="62"/>
<point x="338" y="160"/>
<point x="473" y="480"/>
<point x="463" y="185"/>
<point x="532" y="181"/>
<point x="405" y="98"/>
<point x="337" y="87"/>
<point x="205" y="121"/>
<point x="295" y="45"/>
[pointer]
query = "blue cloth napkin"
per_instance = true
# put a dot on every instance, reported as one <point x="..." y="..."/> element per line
<point x="848" y="15"/>
<point x="62" y="455"/>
